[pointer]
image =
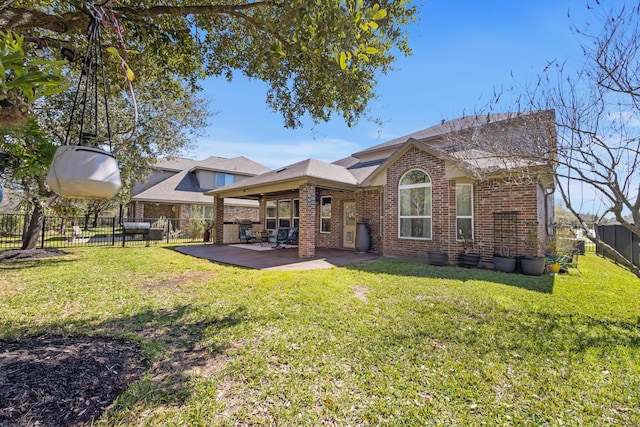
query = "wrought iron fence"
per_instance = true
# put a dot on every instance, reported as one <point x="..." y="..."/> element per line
<point x="578" y="235"/>
<point x="66" y="232"/>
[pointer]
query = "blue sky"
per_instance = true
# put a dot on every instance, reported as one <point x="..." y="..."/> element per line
<point x="462" y="52"/>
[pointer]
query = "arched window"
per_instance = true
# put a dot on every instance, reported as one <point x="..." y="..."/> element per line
<point x="414" y="216"/>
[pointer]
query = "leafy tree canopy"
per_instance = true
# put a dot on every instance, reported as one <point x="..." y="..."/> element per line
<point x="318" y="57"/>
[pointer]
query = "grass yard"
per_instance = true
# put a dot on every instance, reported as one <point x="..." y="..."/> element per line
<point x="389" y="342"/>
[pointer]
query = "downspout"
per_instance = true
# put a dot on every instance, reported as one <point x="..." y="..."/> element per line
<point x="549" y="227"/>
<point x="381" y="224"/>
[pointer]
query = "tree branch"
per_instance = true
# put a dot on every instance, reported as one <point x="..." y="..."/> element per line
<point x="20" y="19"/>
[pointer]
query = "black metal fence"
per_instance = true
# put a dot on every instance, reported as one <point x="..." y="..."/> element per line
<point x="65" y="232"/>
<point x="623" y="240"/>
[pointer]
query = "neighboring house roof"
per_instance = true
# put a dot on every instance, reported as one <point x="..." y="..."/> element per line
<point x="239" y="165"/>
<point x="359" y="169"/>
<point x="174" y="180"/>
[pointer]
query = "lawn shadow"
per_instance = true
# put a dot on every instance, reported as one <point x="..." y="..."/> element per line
<point x="538" y="334"/>
<point x="23" y="259"/>
<point x="408" y="267"/>
<point x="176" y="343"/>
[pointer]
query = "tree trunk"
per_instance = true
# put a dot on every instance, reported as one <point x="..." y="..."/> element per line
<point x="32" y="234"/>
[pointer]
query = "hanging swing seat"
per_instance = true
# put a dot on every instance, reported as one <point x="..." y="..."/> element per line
<point x="81" y="172"/>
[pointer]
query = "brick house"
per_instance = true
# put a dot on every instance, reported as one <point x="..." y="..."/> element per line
<point x="436" y="189"/>
<point x="175" y="189"/>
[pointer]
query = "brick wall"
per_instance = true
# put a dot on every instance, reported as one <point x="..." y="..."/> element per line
<point x="156" y="210"/>
<point x="306" y="234"/>
<point x="334" y="238"/>
<point x="231" y="213"/>
<point x="441" y="206"/>
<point x="494" y="195"/>
<point x="368" y="210"/>
<point x="508" y="194"/>
<point x="218" y="215"/>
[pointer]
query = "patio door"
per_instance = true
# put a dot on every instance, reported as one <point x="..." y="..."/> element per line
<point x="349" y="225"/>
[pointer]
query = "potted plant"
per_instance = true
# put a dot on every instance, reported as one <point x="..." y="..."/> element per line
<point x="438" y="256"/>
<point x="559" y="254"/>
<point x="532" y="264"/>
<point x="469" y="257"/>
<point x="505" y="241"/>
<point x="503" y="261"/>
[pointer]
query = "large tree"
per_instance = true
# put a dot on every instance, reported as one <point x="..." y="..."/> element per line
<point x="597" y="121"/>
<point x="317" y="57"/>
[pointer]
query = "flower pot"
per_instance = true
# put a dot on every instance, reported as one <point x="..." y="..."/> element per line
<point x="554" y="267"/>
<point x="438" y="257"/>
<point x="532" y="266"/>
<point x="469" y="260"/>
<point x="80" y="172"/>
<point x="504" y="263"/>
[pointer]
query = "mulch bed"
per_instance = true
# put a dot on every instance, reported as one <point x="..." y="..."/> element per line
<point x="63" y="381"/>
<point x="18" y="254"/>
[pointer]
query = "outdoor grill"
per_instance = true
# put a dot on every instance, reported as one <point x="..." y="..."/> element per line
<point x="135" y="228"/>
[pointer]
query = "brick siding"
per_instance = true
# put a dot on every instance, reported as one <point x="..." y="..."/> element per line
<point x="489" y="196"/>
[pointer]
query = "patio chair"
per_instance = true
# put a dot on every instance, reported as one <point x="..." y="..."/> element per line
<point x="77" y="233"/>
<point x="247" y="235"/>
<point x="280" y="237"/>
<point x="292" y="237"/>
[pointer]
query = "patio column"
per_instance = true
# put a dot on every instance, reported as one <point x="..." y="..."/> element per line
<point x="307" y="229"/>
<point x="218" y="213"/>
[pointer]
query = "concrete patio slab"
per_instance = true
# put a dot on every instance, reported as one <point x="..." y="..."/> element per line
<point x="275" y="259"/>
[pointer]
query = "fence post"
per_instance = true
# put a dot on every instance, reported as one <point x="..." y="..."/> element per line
<point x="113" y="231"/>
<point x="44" y="223"/>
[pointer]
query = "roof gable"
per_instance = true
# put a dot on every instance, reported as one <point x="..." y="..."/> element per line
<point x="309" y="169"/>
<point x="459" y="125"/>
<point x="474" y="161"/>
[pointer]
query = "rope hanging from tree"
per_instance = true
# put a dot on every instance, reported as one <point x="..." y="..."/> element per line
<point x="84" y="170"/>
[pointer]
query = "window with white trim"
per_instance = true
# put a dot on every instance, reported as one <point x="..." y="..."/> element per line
<point x="414" y="207"/>
<point x="464" y="211"/>
<point x="202" y="211"/>
<point x="296" y="212"/>
<point x="284" y="213"/>
<point x="325" y="214"/>
<point x="270" y="215"/>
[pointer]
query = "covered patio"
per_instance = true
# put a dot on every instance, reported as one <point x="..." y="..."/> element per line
<point x="276" y="259"/>
<point x="306" y="182"/>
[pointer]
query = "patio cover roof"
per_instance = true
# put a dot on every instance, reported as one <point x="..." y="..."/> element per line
<point x="290" y="177"/>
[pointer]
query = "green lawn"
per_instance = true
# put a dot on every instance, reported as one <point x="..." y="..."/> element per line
<point x="389" y="342"/>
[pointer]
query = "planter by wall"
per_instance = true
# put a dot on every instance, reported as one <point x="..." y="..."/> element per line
<point x="532" y="266"/>
<point x="363" y="238"/>
<point x="469" y="260"/>
<point x="438" y="257"/>
<point x="504" y="263"/>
